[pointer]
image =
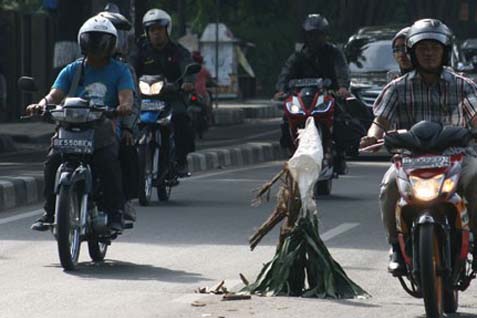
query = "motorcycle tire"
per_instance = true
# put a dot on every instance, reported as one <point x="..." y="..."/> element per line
<point x="432" y="285"/>
<point x="323" y="187"/>
<point x="451" y="300"/>
<point x="145" y="175"/>
<point x="163" y="193"/>
<point x="68" y="227"/>
<point x="97" y="250"/>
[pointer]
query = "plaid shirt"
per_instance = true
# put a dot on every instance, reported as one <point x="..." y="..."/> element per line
<point x="408" y="99"/>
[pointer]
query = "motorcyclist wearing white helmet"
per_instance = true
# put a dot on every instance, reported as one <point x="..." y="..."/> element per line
<point x="158" y="54"/>
<point x="103" y="81"/>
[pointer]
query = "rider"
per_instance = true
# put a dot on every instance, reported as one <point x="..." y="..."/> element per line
<point x="317" y="58"/>
<point x="158" y="54"/>
<point x="400" y="54"/>
<point x="430" y="92"/>
<point x="202" y="80"/>
<point x="106" y="82"/>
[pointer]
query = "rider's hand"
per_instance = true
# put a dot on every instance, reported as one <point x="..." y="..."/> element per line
<point x="124" y="110"/>
<point x="187" y="87"/>
<point x="35" y="109"/>
<point x="280" y="95"/>
<point x="367" y="141"/>
<point x="343" y="92"/>
<point x="127" y="138"/>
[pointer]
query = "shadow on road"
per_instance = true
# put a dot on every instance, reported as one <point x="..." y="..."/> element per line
<point x="111" y="269"/>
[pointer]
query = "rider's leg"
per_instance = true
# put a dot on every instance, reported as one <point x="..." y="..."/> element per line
<point x="53" y="161"/>
<point x="468" y="182"/>
<point x="107" y="167"/>
<point x="388" y="197"/>
<point x="184" y="140"/>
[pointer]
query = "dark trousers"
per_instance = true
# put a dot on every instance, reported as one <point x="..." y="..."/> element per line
<point x="184" y="136"/>
<point x="105" y="165"/>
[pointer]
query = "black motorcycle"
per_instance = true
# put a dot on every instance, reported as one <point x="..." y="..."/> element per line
<point x="156" y="146"/>
<point x="79" y="215"/>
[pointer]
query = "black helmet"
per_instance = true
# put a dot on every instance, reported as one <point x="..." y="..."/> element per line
<point x="402" y="34"/>
<point x="315" y="22"/>
<point x="429" y="29"/>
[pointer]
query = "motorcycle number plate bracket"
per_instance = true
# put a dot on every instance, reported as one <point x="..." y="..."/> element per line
<point x="152" y="105"/>
<point x="426" y="162"/>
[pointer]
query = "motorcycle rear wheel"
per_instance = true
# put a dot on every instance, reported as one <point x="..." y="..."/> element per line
<point x="431" y="281"/>
<point x="323" y="187"/>
<point x="145" y="175"/>
<point x="97" y="250"/>
<point x="68" y="227"/>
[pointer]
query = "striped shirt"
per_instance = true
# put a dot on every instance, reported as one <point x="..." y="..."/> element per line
<point x="408" y="99"/>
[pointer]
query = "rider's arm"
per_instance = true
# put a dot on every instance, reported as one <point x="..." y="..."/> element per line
<point x="341" y="70"/>
<point x="186" y="59"/>
<point x="126" y="99"/>
<point x="55" y="96"/>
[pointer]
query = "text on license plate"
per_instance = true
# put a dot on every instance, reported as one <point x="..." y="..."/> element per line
<point x="426" y="162"/>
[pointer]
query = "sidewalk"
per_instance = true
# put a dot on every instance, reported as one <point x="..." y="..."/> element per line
<point x="24" y="187"/>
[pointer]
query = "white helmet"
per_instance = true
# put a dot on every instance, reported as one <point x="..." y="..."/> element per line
<point x="97" y="35"/>
<point x="157" y="16"/>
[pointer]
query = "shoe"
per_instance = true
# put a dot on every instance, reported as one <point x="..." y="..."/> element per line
<point x="182" y="171"/>
<point x="116" y="222"/>
<point x="474" y="258"/>
<point x="396" y="264"/>
<point x="129" y="212"/>
<point x="44" y="222"/>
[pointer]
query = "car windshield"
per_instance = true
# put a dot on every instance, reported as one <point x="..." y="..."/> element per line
<point x="365" y="55"/>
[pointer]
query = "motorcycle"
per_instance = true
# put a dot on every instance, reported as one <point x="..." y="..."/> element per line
<point x="78" y="211"/>
<point x="156" y="146"/>
<point x="310" y="98"/>
<point x="431" y="217"/>
<point x="197" y="111"/>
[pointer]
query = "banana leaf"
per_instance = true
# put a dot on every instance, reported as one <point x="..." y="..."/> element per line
<point x="303" y="266"/>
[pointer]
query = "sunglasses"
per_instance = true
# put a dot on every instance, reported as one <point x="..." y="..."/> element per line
<point x="399" y="49"/>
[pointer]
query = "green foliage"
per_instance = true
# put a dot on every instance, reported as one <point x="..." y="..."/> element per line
<point x="303" y="266"/>
<point x="21" y="5"/>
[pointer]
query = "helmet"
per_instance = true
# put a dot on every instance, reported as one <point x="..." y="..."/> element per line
<point x="429" y="29"/>
<point x="402" y="34"/>
<point x="97" y="35"/>
<point x="197" y="57"/>
<point x="157" y="16"/>
<point x="315" y="22"/>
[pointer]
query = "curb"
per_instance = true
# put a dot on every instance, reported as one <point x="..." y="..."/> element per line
<point x="25" y="190"/>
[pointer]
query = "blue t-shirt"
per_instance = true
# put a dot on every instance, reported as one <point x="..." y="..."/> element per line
<point x="99" y="85"/>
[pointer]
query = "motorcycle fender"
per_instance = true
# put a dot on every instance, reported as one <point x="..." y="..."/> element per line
<point x="145" y="137"/>
<point x="62" y="178"/>
<point x="426" y="218"/>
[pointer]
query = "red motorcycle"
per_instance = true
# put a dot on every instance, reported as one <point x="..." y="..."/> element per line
<point x="431" y="217"/>
<point x="310" y="98"/>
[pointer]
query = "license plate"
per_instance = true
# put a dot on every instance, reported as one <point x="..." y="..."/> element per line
<point x="152" y="105"/>
<point x="68" y="145"/>
<point x="426" y="162"/>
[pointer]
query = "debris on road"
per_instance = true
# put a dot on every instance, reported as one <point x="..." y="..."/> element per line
<point x="198" y="304"/>
<point x="233" y="296"/>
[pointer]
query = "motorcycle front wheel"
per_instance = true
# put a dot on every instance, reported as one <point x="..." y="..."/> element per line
<point x="430" y="262"/>
<point x="68" y="226"/>
<point x="97" y="250"/>
<point x="145" y="175"/>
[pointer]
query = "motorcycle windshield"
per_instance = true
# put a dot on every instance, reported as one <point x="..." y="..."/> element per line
<point x="307" y="96"/>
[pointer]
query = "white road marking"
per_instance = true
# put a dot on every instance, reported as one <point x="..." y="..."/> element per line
<point x="340" y="229"/>
<point x="20" y="216"/>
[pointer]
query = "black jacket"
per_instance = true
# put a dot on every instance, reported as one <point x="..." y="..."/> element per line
<point x="329" y="63"/>
<point x="170" y="61"/>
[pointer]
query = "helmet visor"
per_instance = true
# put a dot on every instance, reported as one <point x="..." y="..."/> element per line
<point x="160" y="22"/>
<point x="97" y="43"/>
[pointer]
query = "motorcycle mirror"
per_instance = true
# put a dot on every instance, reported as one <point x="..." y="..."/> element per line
<point x="192" y="68"/>
<point x="27" y="84"/>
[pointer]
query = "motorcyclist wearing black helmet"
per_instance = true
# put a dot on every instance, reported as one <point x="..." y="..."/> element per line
<point x="103" y="81"/>
<point x="433" y="92"/>
<point x="158" y="54"/>
<point x="317" y="58"/>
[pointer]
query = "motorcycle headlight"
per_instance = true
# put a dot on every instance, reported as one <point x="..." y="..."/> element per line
<point x="293" y="108"/>
<point x="156" y="88"/>
<point x="144" y="88"/>
<point x="426" y="189"/>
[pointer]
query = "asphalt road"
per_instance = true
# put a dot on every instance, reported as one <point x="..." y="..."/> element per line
<point x="198" y="239"/>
